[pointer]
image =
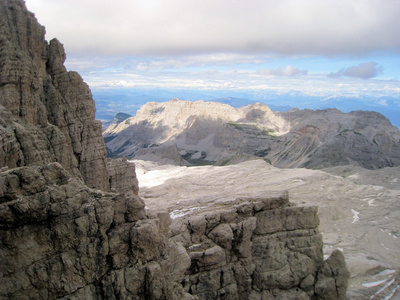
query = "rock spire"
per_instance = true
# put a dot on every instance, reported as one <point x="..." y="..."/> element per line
<point x="47" y="114"/>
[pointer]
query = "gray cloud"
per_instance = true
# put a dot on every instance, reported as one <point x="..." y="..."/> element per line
<point x="364" y="70"/>
<point x="137" y="27"/>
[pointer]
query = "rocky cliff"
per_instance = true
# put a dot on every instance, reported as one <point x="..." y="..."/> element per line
<point x="73" y="227"/>
<point x="62" y="240"/>
<point x="46" y="112"/>
<point x="206" y="132"/>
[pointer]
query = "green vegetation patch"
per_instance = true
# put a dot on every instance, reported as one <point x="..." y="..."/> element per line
<point x="254" y="129"/>
<point x="200" y="162"/>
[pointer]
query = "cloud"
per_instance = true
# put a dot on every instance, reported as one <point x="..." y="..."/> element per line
<point x="194" y="61"/>
<point x="383" y="102"/>
<point x="364" y="70"/>
<point x="155" y="27"/>
<point x="288" y="71"/>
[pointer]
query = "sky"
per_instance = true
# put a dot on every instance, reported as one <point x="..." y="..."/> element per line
<point x="324" y="48"/>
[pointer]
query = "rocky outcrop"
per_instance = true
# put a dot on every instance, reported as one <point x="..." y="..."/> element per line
<point x="63" y="240"/>
<point x="122" y="176"/>
<point x="258" y="248"/>
<point x="207" y="132"/>
<point x="46" y="112"/>
<point x="58" y="236"/>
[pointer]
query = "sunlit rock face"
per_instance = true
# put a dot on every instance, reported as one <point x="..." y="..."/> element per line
<point x="208" y="132"/>
<point x="200" y="130"/>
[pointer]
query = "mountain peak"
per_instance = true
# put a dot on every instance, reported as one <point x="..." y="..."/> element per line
<point x="186" y="124"/>
<point x="211" y="131"/>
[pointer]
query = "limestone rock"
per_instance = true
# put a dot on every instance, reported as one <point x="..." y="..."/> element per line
<point x="118" y="118"/>
<point x="260" y="251"/>
<point x="46" y="113"/>
<point x="61" y="239"/>
<point x="332" y="278"/>
<point x="209" y="132"/>
<point x="122" y="176"/>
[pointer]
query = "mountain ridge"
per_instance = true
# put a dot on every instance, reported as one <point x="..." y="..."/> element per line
<point x="211" y="131"/>
<point x="112" y="100"/>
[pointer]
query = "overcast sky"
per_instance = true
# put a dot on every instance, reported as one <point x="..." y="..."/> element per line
<point x="326" y="47"/>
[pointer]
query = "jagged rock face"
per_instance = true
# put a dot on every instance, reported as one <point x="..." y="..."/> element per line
<point x="63" y="240"/>
<point x="217" y="132"/>
<point x="258" y="248"/>
<point x="46" y="113"/>
<point x="57" y="235"/>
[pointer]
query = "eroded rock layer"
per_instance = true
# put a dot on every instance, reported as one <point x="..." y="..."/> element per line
<point x="46" y="112"/>
<point x="61" y="239"/>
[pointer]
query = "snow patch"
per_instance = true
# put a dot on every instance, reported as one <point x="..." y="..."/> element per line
<point x="370" y="201"/>
<point x="385" y="272"/>
<point x="355" y="215"/>
<point x="375" y="283"/>
<point x="384" y="288"/>
<point x="178" y="213"/>
<point x="194" y="246"/>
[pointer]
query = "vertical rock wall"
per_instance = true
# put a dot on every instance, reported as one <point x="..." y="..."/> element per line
<point x="46" y="113"/>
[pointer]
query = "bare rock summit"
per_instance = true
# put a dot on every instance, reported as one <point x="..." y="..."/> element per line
<point x="216" y="133"/>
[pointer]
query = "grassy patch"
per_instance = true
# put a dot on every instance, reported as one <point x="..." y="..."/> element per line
<point x="253" y="129"/>
<point x="200" y="162"/>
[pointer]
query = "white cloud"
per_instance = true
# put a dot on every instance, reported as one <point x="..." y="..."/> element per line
<point x="364" y="70"/>
<point x="288" y="71"/>
<point x="383" y="102"/>
<point x="201" y="60"/>
<point x="155" y="27"/>
<point x="230" y="44"/>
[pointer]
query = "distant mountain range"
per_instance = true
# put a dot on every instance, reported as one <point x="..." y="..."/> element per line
<point x="184" y="132"/>
<point x="111" y="101"/>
